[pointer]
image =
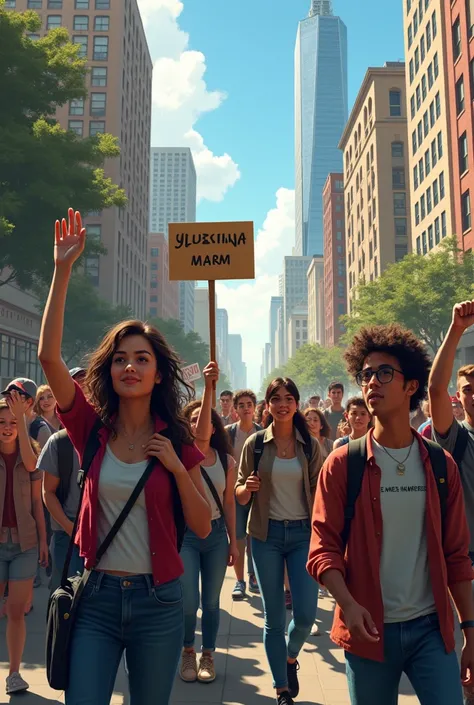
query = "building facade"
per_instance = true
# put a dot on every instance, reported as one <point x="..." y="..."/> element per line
<point x="335" y="304"/>
<point x="173" y="200"/>
<point x="297" y="329"/>
<point x="201" y="312"/>
<point x="459" y="32"/>
<point x="238" y="368"/>
<point x="111" y="36"/>
<point x="295" y="293"/>
<point x="163" y="294"/>
<point x="222" y="339"/>
<point x="276" y="303"/>
<point x="316" y="301"/>
<point x="431" y="176"/>
<point x="376" y="192"/>
<point x="321" y="107"/>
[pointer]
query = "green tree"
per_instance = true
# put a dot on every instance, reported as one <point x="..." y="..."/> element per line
<point x="190" y="347"/>
<point x="417" y="292"/>
<point x="44" y="169"/>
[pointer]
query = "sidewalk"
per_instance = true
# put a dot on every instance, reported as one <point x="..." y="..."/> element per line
<point x="243" y="675"/>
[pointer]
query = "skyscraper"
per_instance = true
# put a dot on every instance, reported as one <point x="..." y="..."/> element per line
<point x="320" y="115"/>
<point x="173" y="200"/>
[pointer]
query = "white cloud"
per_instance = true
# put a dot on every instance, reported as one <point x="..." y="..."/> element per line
<point x="181" y="96"/>
<point x="248" y="304"/>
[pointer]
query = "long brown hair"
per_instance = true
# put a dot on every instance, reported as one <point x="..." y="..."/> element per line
<point x="168" y="397"/>
<point x="220" y="440"/>
<point x="35" y="446"/>
<point x="299" y="421"/>
<point x="325" y="431"/>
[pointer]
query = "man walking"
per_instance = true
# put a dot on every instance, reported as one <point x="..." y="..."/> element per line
<point x="228" y="415"/>
<point x="407" y="543"/>
<point x="335" y="413"/>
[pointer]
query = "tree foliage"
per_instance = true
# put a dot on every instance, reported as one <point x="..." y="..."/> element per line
<point x="190" y="347"/>
<point x="417" y="292"/>
<point x="44" y="169"/>
<point x="312" y="368"/>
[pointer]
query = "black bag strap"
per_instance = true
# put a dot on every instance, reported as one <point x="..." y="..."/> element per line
<point x="440" y="471"/>
<point x="357" y="458"/>
<point x="65" y="453"/>
<point x="258" y="450"/>
<point x="460" y="446"/>
<point x="213" y="491"/>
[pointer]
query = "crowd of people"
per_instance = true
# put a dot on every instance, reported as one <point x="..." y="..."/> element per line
<point x="370" y="502"/>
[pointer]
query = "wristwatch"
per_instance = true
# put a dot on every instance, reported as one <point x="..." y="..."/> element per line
<point x="468" y="624"/>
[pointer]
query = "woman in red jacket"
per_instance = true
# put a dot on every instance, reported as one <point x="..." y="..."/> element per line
<point x="133" y="598"/>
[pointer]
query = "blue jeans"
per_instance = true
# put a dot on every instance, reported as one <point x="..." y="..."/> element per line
<point x="206" y="557"/>
<point x="287" y="541"/>
<point x="58" y="549"/>
<point x="416" y="648"/>
<point x="241" y="517"/>
<point x="117" y="613"/>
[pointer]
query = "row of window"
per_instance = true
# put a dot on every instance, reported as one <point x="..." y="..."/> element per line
<point x="58" y="4"/>
<point x="80" y="23"/>
<point x="430" y="199"/>
<point x="429" y="161"/>
<point x="429" y="118"/>
<point x="95" y="127"/>
<point x="432" y="236"/>
<point x="426" y="83"/>
<point x="100" y="50"/>
<point x="421" y="51"/>
<point x="98" y="104"/>
<point x="420" y="6"/>
<point x="417" y="20"/>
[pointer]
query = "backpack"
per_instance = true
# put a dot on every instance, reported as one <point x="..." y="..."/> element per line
<point x="460" y="446"/>
<point x="65" y="452"/>
<point x="258" y="448"/>
<point x="36" y="426"/>
<point x="232" y="431"/>
<point x="93" y="445"/>
<point x="357" y="458"/>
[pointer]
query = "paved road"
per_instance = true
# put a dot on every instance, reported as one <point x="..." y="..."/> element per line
<point x="243" y="676"/>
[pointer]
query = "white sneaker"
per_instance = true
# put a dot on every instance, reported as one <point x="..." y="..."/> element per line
<point x="315" y="630"/>
<point x="16" y="684"/>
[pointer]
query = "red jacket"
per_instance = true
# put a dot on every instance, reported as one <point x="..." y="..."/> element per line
<point x="449" y="562"/>
<point x="165" y="559"/>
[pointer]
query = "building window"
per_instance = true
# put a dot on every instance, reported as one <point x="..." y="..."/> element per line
<point x="432" y="114"/>
<point x="434" y="154"/>
<point x="438" y="105"/>
<point x="466" y="211"/>
<point x="101" y="23"/>
<point x="418" y="245"/>
<point x="35" y="4"/>
<point x="463" y="158"/>
<point x="412" y="71"/>
<point x="395" y="103"/>
<point x="83" y="45"/>
<point x="423" y="88"/>
<point x="400" y="226"/>
<point x="441" y="185"/>
<point x="424" y="243"/>
<point x="470" y="17"/>
<point x="91" y="267"/>
<point x="76" y="106"/>
<point x="435" y="193"/>
<point x="427" y="162"/>
<point x="443" y="224"/>
<point x="415" y="176"/>
<point x="155" y="251"/>
<point x="457" y="39"/>
<point x="408" y="6"/>
<point x="33" y="37"/>
<point x="81" y="23"/>
<point x="434" y="25"/>
<point x="99" y="76"/>
<point x="420" y="133"/>
<point x="397" y="150"/>
<point x="421" y="171"/>
<point x="53" y="21"/>
<point x="413" y="142"/>
<point x="437" y="231"/>
<point x="55" y="4"/>
<point x="81" y="4"/>
<point x="410" y="36"/>
<point x="426" y="123"/>
<point x="460" y="95"/>
<point x="436" y="65"/>
<point x="417" y="60"/>
<point x="10" y="4"/>
<point x="430" y="76"/>
<point x="422" y="48"/>
<point x="76" y="126"/>
<point x="423" y="206"/>
<point x="399" y="204"/>
<point x="417" y="213"/>
<point x="415" y="23"/>
<point x="101" y="48"/>
<point x="98" y="103"/>
<point x="102" y="4"/>
<point x="428" y="36"/>
<point x="430" y="237"/>
<point x="398" y="177"/>
<point x="96" y="127"/>
<point x="401" y="251"/>
<point x="154" y="299"/>
<point x="418" y="98"/>
<point x="412" y="106"/>
<point x="440" y="145"/>
<point x="429" y="202"/>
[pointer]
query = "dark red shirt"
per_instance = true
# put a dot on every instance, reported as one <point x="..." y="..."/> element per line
<point x="448" y="558"/>
<point x="165" y="559"/>
<point x="9" y="514"/>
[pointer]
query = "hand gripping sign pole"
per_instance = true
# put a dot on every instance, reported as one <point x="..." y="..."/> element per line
<point x="210" y="252"/>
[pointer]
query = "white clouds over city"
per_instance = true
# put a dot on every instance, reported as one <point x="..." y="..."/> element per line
<point x="181" y="96"/>
<point x="248" y="304"/>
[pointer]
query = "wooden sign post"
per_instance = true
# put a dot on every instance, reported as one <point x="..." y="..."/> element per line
<point x="210" y="252"/>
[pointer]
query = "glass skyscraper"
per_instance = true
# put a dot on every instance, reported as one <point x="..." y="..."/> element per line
<point x="320" y="116"/>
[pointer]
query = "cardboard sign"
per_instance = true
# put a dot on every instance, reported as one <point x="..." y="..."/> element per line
<point x="191" y="373"/>
<point x="209" y="251"/>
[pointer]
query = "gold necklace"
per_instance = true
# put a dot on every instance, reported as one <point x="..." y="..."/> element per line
<point x="132" y="442"/>
<point x="285" y="450"/>
<point x="400" y="465"/>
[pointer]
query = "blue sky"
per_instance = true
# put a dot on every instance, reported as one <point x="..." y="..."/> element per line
<point x="223" y="85"/>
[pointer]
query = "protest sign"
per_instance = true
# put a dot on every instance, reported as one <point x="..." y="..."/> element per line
<point x="191" y="372"/>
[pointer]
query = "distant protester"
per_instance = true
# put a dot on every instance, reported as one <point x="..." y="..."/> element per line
<point x="359" y="419"/>
<point x="335" y="413"/>
<point x="319" y="429"/>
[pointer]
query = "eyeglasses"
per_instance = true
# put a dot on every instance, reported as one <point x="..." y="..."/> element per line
<point x="384" y="375"/>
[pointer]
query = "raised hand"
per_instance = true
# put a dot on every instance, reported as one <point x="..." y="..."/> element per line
<point x="17" y="404"/>
<point x="463" y="315"/>
<point x="69" y="239"/>
<point x="211" y="374"/>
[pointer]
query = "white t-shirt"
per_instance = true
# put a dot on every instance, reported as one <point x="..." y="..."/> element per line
<point x="217" y="476"/>
<point x="404" y="568"/>
<point x="287" y="498"/>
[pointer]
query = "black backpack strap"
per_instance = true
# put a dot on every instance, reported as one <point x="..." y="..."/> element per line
<point x="439" y="466"/>
<point x="213" y="491"/>
<point x="65" y="453"/>
<point x="258" y="450"/>
<point x="460" y="446"/>
<point x="356" y="461"/>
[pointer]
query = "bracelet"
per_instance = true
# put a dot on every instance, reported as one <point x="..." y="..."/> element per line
<point x="468" y="624"/>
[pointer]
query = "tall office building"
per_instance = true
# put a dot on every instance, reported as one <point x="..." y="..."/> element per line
<point x="111" y="36"/>
<point x="316" y="301"/>
<point x="320" y="115"/>
<point x="222" y="339"/>
<point x="275" y="305"/>
<point x="376" y="193"/>
<point x="459" y="31"/>
<point x="163" y="295"/>
<point x="295" y="293"/>
<point x="238" y="368"/>
<point x="297" y="329"/>
<point x="334" y="258"/>
<point x="431" y="177"/>
<point x="201" y="312"/>
<point x="173" y="200"/>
